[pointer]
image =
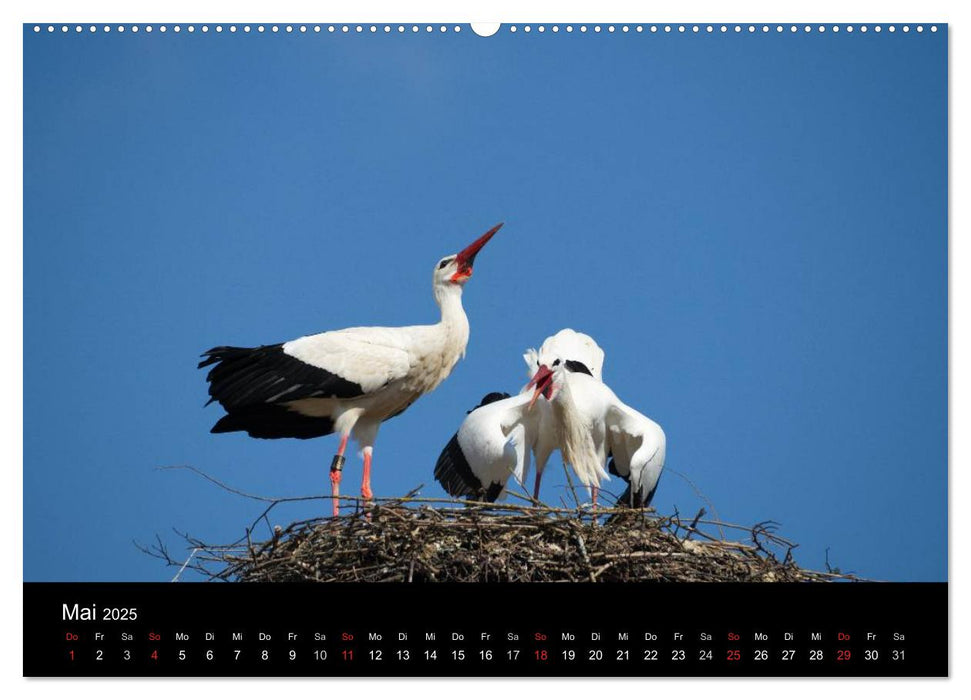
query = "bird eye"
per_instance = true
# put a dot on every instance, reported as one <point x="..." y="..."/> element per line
<point x="443" y="263"/>
<point x="556" y="363"/>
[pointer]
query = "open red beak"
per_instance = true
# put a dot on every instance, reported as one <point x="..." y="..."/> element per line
<point x="543" y="381"/>
<point x="466" y="257"/>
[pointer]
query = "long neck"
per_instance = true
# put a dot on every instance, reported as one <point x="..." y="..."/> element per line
<point x="454" y="323"/>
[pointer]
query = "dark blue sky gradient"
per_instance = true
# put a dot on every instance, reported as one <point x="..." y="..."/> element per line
<point x="752" y="226"/>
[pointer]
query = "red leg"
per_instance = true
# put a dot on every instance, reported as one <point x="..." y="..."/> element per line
<point x="594" y="490"/>
<point x="336" y="470"/>
<point x="539" y="477"/>
<point x="366" y="483"/>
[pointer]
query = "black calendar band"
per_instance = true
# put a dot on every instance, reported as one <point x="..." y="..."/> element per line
<point x="375" y="630"/>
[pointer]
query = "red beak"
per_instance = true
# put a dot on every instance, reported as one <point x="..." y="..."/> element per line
<point x="466" y="257"/>
<point x="543" y="381"/>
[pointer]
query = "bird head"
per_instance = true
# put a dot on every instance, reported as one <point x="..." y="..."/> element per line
<point x="457" y="269"/>
<point x="544" y="382"/>
<point x="579" y="351"/>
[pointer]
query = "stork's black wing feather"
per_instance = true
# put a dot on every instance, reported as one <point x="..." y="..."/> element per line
<point x="491" y="397"/>
<point x="272" y="421"/>
<point x="453" y="472"/>
<point x="631" y="500"/>
<point x="452" y="469"/>
<point x="612" y="469"/>
<point x="251" y="377"/>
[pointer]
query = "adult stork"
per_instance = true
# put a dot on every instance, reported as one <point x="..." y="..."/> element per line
<point x="494" y="443"/>
<point x="592" y="425"/>
<point x="495" y="440"/>
<point x="347" y="381"/>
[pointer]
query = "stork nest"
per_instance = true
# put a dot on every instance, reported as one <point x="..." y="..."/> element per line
<point x="417" y="540"/>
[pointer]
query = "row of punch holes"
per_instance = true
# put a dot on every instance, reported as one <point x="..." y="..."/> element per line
<point x="513" y="28"/>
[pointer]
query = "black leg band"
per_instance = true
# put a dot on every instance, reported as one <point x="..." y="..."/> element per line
<point x="337" y="464"/>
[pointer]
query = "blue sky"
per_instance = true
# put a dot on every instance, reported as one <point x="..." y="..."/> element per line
<point x="752" y="227"/>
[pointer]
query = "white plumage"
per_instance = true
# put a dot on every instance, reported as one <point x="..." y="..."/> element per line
<point x="345" y="381"/>
<point x="567" y="345"/>
<point x="494" y="443"/>
<point x="497" y="437"/>
<point x="592" y="425"/>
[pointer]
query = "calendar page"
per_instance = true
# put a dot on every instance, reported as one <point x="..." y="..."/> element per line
<point x="438" y="349"/>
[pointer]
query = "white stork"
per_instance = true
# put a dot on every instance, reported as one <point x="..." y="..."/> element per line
<point x="495" y="440"/>
<point x="592" y="425"/>
<point x="347" y="381"/>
